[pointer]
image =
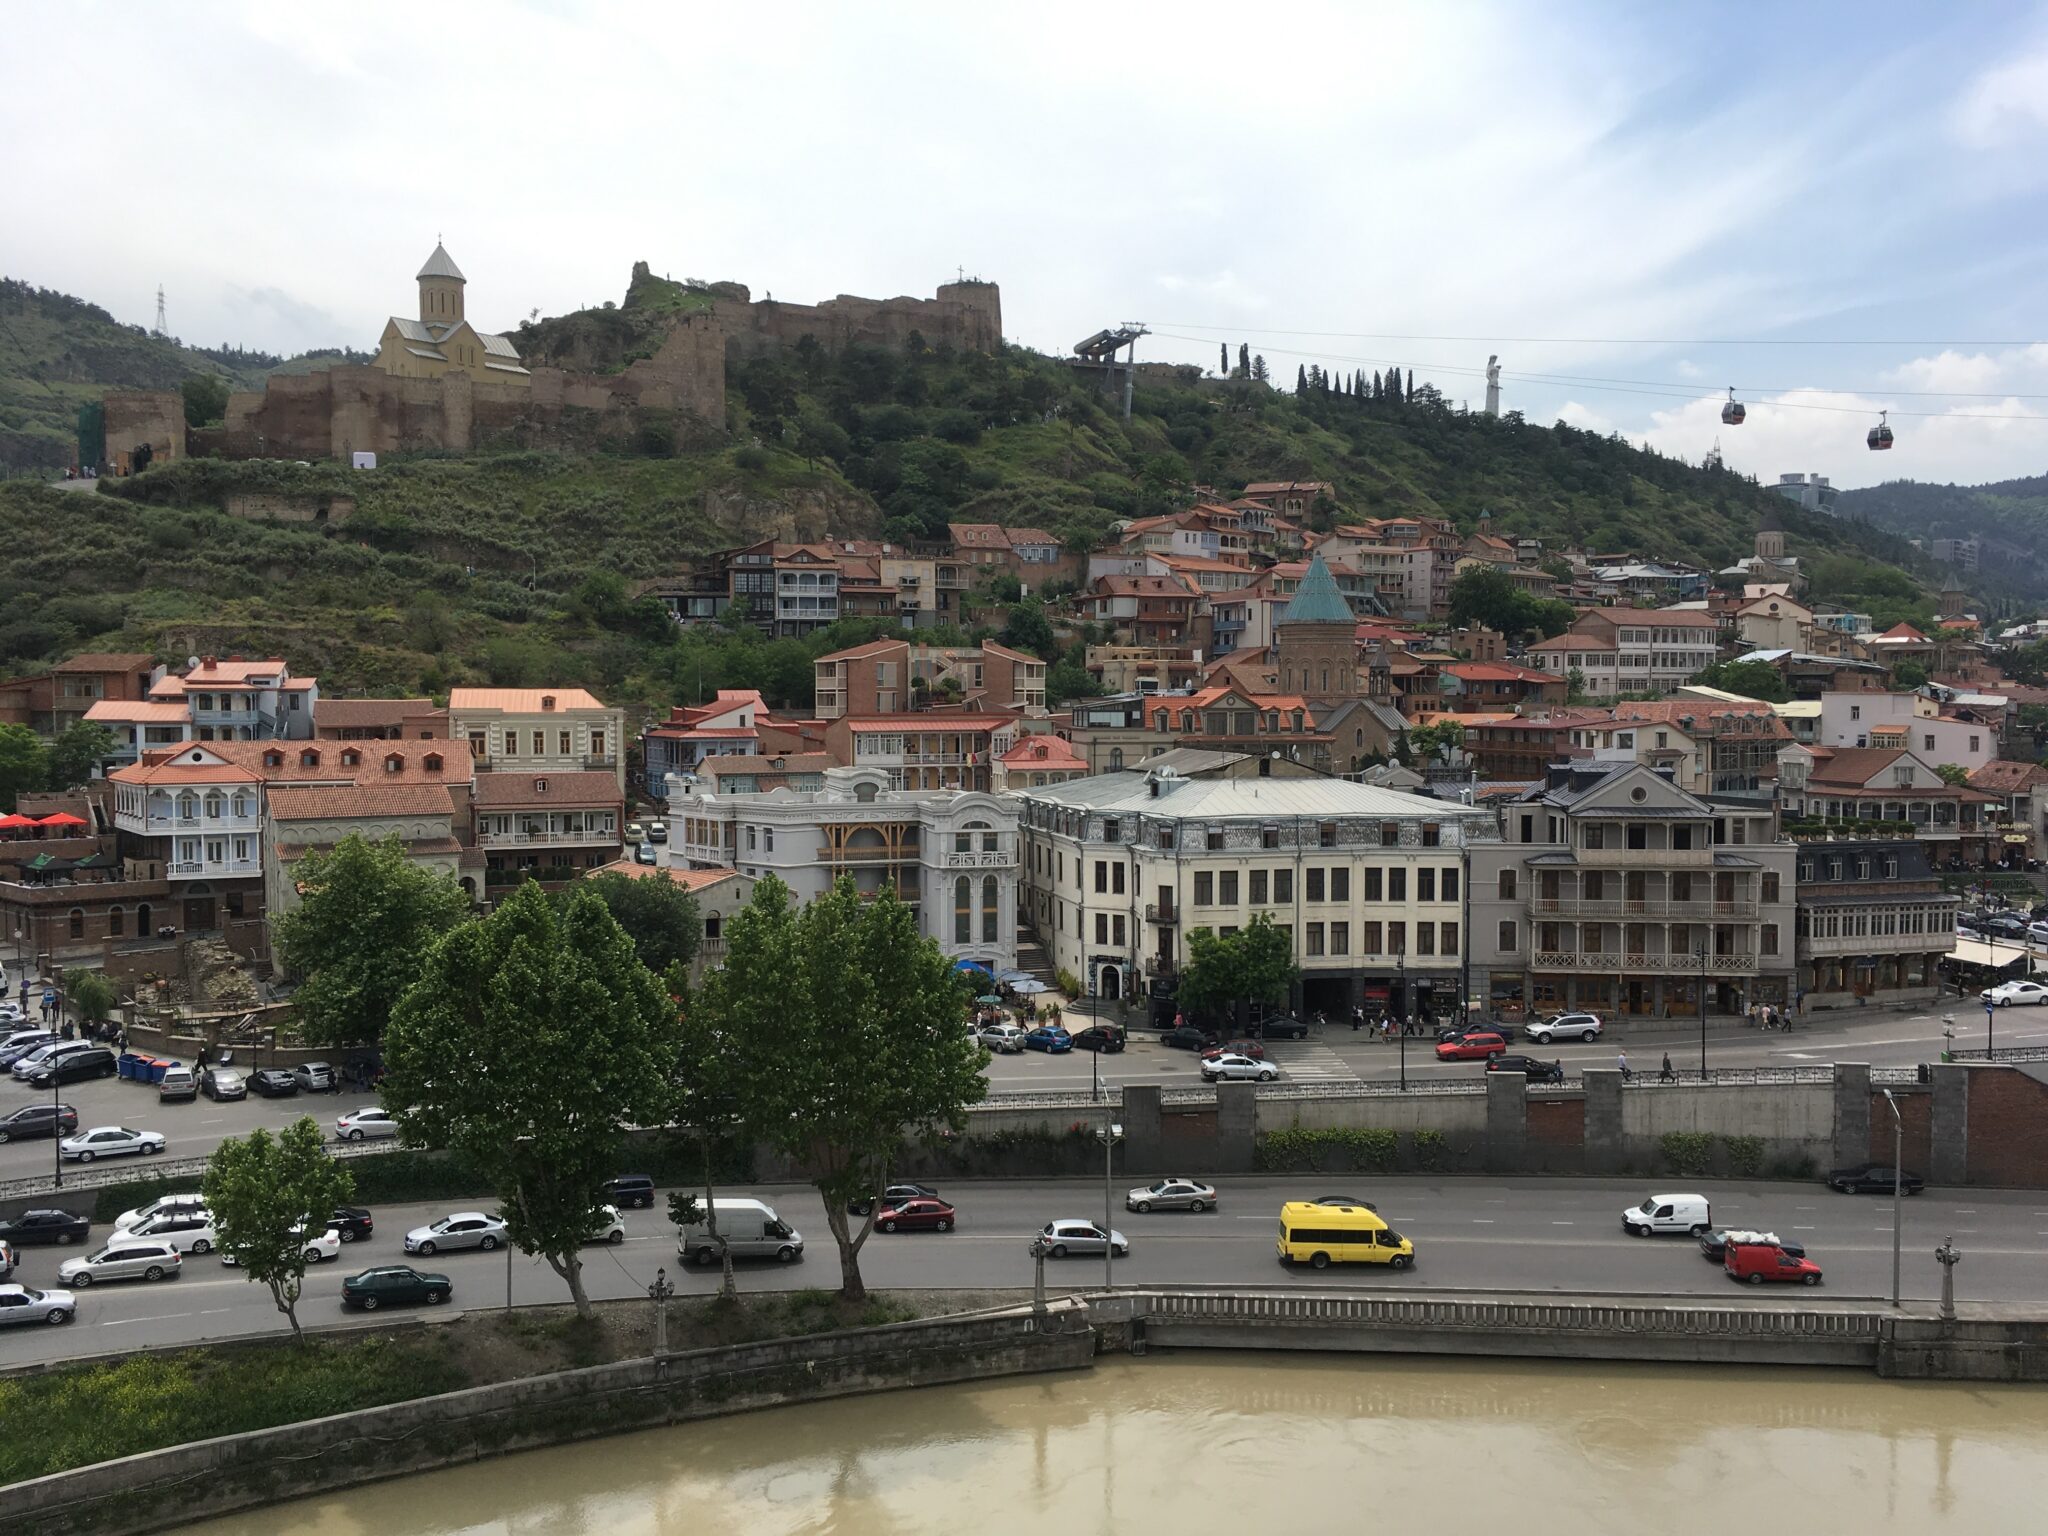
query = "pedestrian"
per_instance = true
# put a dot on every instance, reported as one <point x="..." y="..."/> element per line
<point x="1322" y="1021"/>
<point x="1357" y="1017"/>
<point x="1667" y="1075"/>
<point x="1180" y="1020"/>
<point x="1623" y="1063"/>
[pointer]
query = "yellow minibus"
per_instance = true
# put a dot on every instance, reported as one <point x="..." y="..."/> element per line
<point x="1321" y="1235"/>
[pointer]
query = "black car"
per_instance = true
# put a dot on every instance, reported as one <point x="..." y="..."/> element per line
<point x="273" y="1083"/>
<point x="1280" y="1026"/>
<point x="78" y="1067"/>
<point x="353" y="1223"/>
<point x="1714" y="1243"/>
<point x="1873" y="1179"/>
<point x="1188" y="1038"/>
<point x="630" y="1191"/>
<point x="895" y="1194"/>
<point x="1351" y="1201"/>
<point x="1106" y="1038"/>
<point x="399" y="1283"/>
<point x="32" y="1121"/>
<point x="1536" y="1071"/>
<point x="34" y="1227"/>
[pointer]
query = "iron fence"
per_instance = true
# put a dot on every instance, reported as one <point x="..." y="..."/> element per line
<point x="128" y="1170"/>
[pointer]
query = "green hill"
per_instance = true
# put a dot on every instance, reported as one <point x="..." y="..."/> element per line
<point x="513" y="568"/>
<point x="2011" y="516"/>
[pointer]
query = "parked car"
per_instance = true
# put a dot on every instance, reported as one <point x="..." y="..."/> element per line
<point x="1471" y="1047"/>
<point x="1668" y="1213"/>
<point x="2037" y="932"/>
<point x="609" y="1227"/>
<point x="895" y="1194"/>
<point x="1070" y="1235"/>
<point x="8" y="1259"/>
<point x="76" y="1067"/>
<point x="45" y="1228"/>
<point x="1107" y="1038"/>
<point x="1003" y="1039"/>
<point x="1715" y="1240"/>
<point x="21" y="1041"/>
<point x="634" y="1191"/>
<point x="123" y="1260"/>
<point x="1280" y="1026"/>
<point x="320" y="1246"/>
<point x="2007" y="993"/>
<point x="111" y="1141"/>
<point x="635" y="833"/>
<point x="273" y="1083"/>
<point x="464" y="1229"/>
<point x="657" y="831"/>
<point x="1565" y="1026"/>
<point x="1250" y="1048"/>
<point x="1873" y="1179"/>
<point x="25" y="1304"/>
<point x="221" y="1084"/>
<point x="1187" y="1038"/>
<point x="47" y="1054"/>
<point x="352" y="1223"/>
<point x="178" y="1085"/>
<point x="1232" y="1068"/>
<point x="186" y="1231"/>
<point x="1171" y="1195"/>
<point x="643" y="853"/>
<point x="923" y="1215"/>
<point x="315" y="1077"/>
<point x="1529" y="1066"/>
<point x="1758" y="1262"/>
<point x="394" y="1285"/>
<point x="373" y="1124"/>
<point x="32" y="1122"/>
<point x="161" y="1206"/>
<point x="1049" y="1038"/>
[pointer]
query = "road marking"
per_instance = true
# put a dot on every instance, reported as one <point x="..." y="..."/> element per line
<point x="1802" y="1229"/>
<point x="162" y="1317"/>
<point x="1482" y="1221"/>
<point x="1564" y="1223"/>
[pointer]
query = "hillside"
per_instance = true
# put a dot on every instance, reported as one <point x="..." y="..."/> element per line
<point x="2011" y="514"/>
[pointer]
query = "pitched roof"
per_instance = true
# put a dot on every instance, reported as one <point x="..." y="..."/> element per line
<point x="441" y="264"/>
<point x="1317" y="600"/>
<point x="1683" y="618"/>
<point x="689" y="879"/>
<point x="139" y="712"/>
<point x="522" y="701"/>
<point x="1855" y="766"/>
<point x="978" y="536"/>
<point x="336" y="802"/>
<point x="871" y="648"/>
<point x="505" y="788"/>
<point x="107" y="661"/>
<point x="1498" y="672"/>
<point x="772" y="764"/>
<point x="1032" y="536"/>
<point x="1044" y="751"/>
<point x="1902" y="631"/>
<point x="2005" y="777"/>
<point x="360" y="762"/>
<point x="194" y="763"/>
<point x="344" y="714"/>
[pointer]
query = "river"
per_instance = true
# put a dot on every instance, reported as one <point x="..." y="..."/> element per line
<point x="1209" y="1445"/>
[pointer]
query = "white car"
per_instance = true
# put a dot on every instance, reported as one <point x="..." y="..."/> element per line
<point x="111" y="1141"/>
<point x="1072" y="1235"/>
<point x="2006" y="993"/>
<point x="186" y="1231"/>
<point x="159" y="1207"/>
<point x="2037" y="933"/>
<point x="464" y="1229"/>
<point x="47" y="1054"/>
<point x="609" y="1228"/>
<point x="1567" y="1026"/>
<point x="122" y="1260"/>
<point x="25" y="1304"/>
<point x="365" y="1124"/>
<point x="1230" y="1067"/>
<point x="318" y="1249"/>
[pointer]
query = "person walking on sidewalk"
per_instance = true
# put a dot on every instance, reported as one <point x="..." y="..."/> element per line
<point x="1623" y="1064"/>
<point x="1666" y="1075"/>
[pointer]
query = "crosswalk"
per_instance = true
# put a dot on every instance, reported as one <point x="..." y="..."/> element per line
<point x="1308" y="1061"/>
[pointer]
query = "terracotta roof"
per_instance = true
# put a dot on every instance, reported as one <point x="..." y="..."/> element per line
<point x="348" y="713"/>
<point x="521" y="701"/>
<point x="1043" y="751"/>
<point x="1902" y="632"/>
<point x="291" y="852"/>
<point x="340" y="801"/>
<point x="781" y="763"/>
<point x="107" y="661"/>
<point x="1198" y="563"/>
<point x="139" y="711"/>
<point x="1140" y="586"/>
<point x="872" y="648"/>
<point x="1854" y="766"/>
<point x="360" y="762"/>
<point x="1683" y="618"/>
<point x="689" y="879"/>
<point x="928" y="721"/>
<point x="978" y="536"/>
<point x="189" y="764"/>
<point x="2005" y="777"/>
<point x="1032" y="536"/>
<point x="990" y="647"/>
<point x="517" y="787"/>
<point x="1500" y="672"/>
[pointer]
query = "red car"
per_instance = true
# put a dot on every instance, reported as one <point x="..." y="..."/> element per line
<point x="1471" y="1048"/>
<point x="915" y="1216"/>
<point x="1250" y="1048"/>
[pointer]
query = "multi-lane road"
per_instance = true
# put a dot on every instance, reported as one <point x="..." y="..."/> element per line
<point x="1540" y="1236"/>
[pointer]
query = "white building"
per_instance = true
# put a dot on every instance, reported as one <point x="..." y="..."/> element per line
<point x="1369" y="883"/>
<point x="195" y="819"/>
<point x="539" y="730"/>
<point x="1909" y="720"/>
<point x="950" y="854"/>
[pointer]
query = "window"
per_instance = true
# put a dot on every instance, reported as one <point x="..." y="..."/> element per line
<point x="1269" y="837"/>
<point x="767" y="839"/>
<point x="1425" y="885"/>
<point x="1432" y="835"/>
<point x="1340" y="884"/>
<point x="1101" y="877"/>
<point x="116" y="922"/>
<point x="1425" y="938"/>
<point x="1283" y="886"/>
<point x="1770" y="881"/>
<point x="77" y="923"/>
<point x="1449" y="885"/>
<point x="597" y="743"/>
<point x="1368" y="938"/>
<point x="563" y="747"/>
<point x="963" y="842"/>
<point x="1390" y="834"/>
<point x="1397" y="938"/>
<point x="1638" y="835"/>
<point x="1372" y="885"/>
<point x="1205" y="889"/>
<point x="350" y="757"/>
<point x="1326" y="834"/>
<point x="1226" y="888"/>
<point x="1315" y="938"/>
<point x="1767" y="941"/>
<point x="1213" y="840"/>
<point x="1855" y="711"/>
<point x="1117" y="926"/>
<point x="1116" y="878"/>
<point x="1594" y="835"/>
<point x="540" y="743"/>
<point x="1163" y="837"/>
<point x="1397" y="885"/>
<point x="1447" y="936"/>
<point x="1111" y="832"/>
<point x="1258" y="887"/>
<point x="1315" y="885"/>
<point x="752" y="839"/>
<point x="1102" y="927"/>
<point x="1340" y="938"/>
<point x="1504" y="937"/>
<point x="1681" y="837"/>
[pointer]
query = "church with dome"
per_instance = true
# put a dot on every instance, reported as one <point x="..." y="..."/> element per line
<point x="442" y="341"/>
<point x="1770" y="563"/>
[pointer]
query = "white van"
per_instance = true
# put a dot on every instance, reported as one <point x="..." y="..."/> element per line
<point x="752" y="1229"/>
<point x="1668" y="1213"/>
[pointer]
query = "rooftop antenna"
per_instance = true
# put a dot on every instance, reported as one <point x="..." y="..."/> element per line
<point x="161" y="328"/>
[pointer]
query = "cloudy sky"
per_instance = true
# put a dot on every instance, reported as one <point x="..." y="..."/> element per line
<point x="1834" y="207"/>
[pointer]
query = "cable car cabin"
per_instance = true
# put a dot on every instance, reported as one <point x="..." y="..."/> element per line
<point x="1733" y="412"/>
<point x="1880" y="436"/>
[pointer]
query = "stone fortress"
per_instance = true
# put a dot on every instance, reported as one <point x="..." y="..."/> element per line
<point x="441" y="385"/>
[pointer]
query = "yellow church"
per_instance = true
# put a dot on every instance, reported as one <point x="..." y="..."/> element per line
<point x="441" y="341"/>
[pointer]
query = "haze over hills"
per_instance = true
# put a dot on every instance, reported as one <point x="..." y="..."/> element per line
<point x="2009" y="519"/>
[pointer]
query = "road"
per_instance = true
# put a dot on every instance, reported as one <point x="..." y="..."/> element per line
<point x="1540" y="1236"/>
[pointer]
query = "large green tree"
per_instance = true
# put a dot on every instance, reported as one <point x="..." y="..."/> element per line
<point x="845" y="1023"/>
<point x="91" y="995"/>
<point x="24" y="764"/>
<point x="1225" y="974"/>
<point x="1751" y="679"/>
<point x="708" y="1105"/>
<point x="79" y="748"/>
<point x="1486" y="596"/>
<point x="659" y="916"/>
<point x="270" y="1196"/>
<point x="366" y="918"/>
<point x="531" y="1042"/>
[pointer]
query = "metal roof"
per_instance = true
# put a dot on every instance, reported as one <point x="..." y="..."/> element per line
<point x="1251" y="799"/>
<point x="441" y="264"/>
<point x="1317" y="600"/>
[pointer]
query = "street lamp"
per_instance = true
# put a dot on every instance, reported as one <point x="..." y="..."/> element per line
<point x="1401" y="1012"/>
<point x="1898" y="1159"/>
<point x="1990" y="1012"/>
<point x="1110" y="1135"/>
<point x="1703" y="1010"/>
<point x="659" y="1293"/>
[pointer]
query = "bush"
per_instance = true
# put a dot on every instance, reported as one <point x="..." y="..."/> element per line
<point x="1429" y="1150"/>
<point x="1067" y="982"/>
<point x="1326" y="1151"/>
<point x="1745" y="1154"/>
<point x="1688" y="1152"/>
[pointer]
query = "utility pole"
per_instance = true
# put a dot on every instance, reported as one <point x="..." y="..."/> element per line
<point x="1898" y="1160"/>
<point x="161" y="328"/>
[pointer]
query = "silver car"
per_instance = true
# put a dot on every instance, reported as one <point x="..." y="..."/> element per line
<point x="24" y="1304"/>
<point x="125" y="1260"/>
<point x="1172" y="1195"/>
<point x="1074" y="1236"/>
<point x="464" y="1229"/>
<point x="1230" y="1067"/>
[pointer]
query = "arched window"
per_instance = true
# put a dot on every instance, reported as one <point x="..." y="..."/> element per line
<point x="1116" y="758"/>
<point x="215" y="803"/>
<point x="117" y="921"/>
<point x="963" y="913"/>
<point x="142" y="915"/>
<point x="963" y="840"/>
<point x="241" y="805"/>
<point x="188" y="806"/>
<point x="78" y="922"/>
<point x="989" y="903"/>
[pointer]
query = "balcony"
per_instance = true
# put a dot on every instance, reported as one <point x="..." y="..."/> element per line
<point x="1890" y="944"/>
<point x="601" y="761"/>
<point x="1165" y="916"/>
<point x="711" y="951"/>
<point x="566" y="837"/>
<point x="1615" y="964"/>
<point x="1681" y="911"/>
<point x="1647" y="858"/>
<point x="215" y="869"/>
<point x="868" y="855"/>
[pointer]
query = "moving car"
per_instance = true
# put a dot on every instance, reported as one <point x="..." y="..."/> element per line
<point x="1049" y="1038"/>
<point x="2006" y="993"/>
<point x="319" y="1248"/>
<point x="1070" y="1235"/>
<point x="111" y="1141"/>
<point x="749" y="1228"/>
<point x="1874" y="1179"/>
<point x="394" y="1285"/>
<point x="1365" y="1205"/>
<point x="315" y="1077"/>
<point x="895" y="1194"/>
<point x="464" y="1229"/>
<point x="45" y="1228"/>
<point x="1281" y="1026"/>
<point x="352" y="1223"/>
<point x="1564" y="1026"/>
<point x="634" y="1191"/>
<point x="164" y="1205"/>
<point x="916" y="1216"/>
<point x="1322" y="1235"/>
<point x="122" y="1259"/>
<point x="1004" y="1039"/>
<point x="643" y="853"/>
<point x="1529" y="1066"/>
<point x="1106" y="1038"/>
<point x="273" y="1083"/>
<point x="32" y="1122"/>
<point x="1668" y="1213"/>
<point x="1471" y="1047"/>
<point x="1715" y="1240"/>
<point x="24" y="1304"/>
<point x="186" y="1231"/>
<point x="222" y="1084"/>
<point x="372" y="1124"/>
<point x="1171" y="1195"/>
<point x="1758" y="1262"/>
<point x="1187" y="1038"/>
<point x="1231" y="1068"/>
<point x="1250" y="1048"/>
<point x="609" y="1227"/>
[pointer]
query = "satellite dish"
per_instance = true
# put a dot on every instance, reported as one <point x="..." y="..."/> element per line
<point x="191" y="663"/>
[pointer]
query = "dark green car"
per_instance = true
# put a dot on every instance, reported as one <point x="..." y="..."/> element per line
<point x="398" y="1284"/>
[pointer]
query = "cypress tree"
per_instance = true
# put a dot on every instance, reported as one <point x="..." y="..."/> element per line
<point x="1301" y="378"/>
<point x="1244" y="358"/>
<point x="1223" y="366"/>
<point x="1409" y="392"/>
<point x="1379" y="390"/>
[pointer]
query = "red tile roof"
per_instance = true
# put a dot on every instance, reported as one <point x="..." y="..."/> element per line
<point x="342" y="802"/>
<point x="521" y="787"/>
<point x="1044" y="751"/>
<point x="521" y="701"/>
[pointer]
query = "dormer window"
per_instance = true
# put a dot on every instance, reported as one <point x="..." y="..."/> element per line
<point x="394" y="763"/>
<point x="309" y="759"/>
<point x="273" y="759"/>
<point x="547" y="701"/>
<point x="432" y="761"/>
<point x="350" y="758"/>
<point x="540" y="786"/>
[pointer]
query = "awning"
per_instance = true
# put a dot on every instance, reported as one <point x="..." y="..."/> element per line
<point x="1997" y="956"/>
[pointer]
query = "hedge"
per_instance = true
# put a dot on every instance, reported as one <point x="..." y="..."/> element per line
<point x="1327" y="1151"/>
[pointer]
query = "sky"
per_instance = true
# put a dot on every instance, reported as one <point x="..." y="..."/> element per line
<point x="1834" y="208"/>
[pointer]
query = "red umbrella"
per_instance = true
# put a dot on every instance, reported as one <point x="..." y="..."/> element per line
<point x="16" y="819"/>
<point x="63" y="819"/>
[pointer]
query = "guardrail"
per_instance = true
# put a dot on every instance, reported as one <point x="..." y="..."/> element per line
<point x="1653" y="1077"/>
<point x="126" y="1170"/>
<point x="2002" y="1053"/>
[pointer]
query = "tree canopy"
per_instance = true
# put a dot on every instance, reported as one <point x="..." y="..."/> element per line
<point x="24" y="764"/>
<point x="367" y="916"/>
<point x="1253" y="965"/>
<point x="1485" y="596"/>
<point x="270" y="1196"/>
<point x="1751" y="679"/>
<point x="659" y="916"/>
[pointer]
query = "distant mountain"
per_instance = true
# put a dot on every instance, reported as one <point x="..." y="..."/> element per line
<point x="2008" y="517"/>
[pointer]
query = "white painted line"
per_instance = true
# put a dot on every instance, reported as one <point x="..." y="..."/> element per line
<point x="1482" y="1221"/>
<point x="1802" y="1229"/>
<point x="119" y="1322"/>
<point x="1564" y="1223"/>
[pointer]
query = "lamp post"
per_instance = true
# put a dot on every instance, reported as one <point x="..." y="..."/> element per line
<point x="1898" y="1160"/>
<point x="1703" y="1010"/>
<point x="56" y="1128"/>
<point x="1111" y="1134"/>
<point x="659" y="1293"/>
<point x="1401" y="1011"/>
<point x="1990" y="1013"/>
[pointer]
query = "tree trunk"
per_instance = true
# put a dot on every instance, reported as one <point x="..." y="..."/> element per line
<point x="851" y="1286"/>
<point x="289" y="1306"/>
<point x="728" y="1285"/>
<point x="570" y="1268"/>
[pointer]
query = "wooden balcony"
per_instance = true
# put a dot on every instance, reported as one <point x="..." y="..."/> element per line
<point x="1617" y="963"/>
